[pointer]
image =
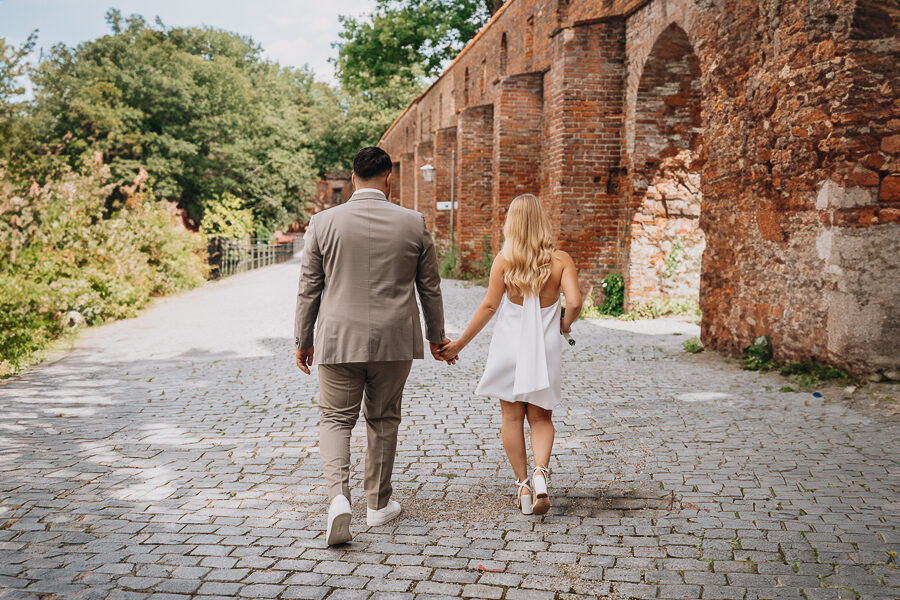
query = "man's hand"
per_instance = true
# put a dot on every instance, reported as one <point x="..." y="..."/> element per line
<point x="450" y="349"/>
<point x="304" y="359"/>
<point x="436" y="351"/>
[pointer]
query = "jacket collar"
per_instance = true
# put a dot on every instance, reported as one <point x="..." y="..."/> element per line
<point x="367" y="194"/>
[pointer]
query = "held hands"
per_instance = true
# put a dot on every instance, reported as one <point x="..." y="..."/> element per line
<point x="450" y="349"/>
<point x="305" y="359"/>
<point x="438" y="351"/>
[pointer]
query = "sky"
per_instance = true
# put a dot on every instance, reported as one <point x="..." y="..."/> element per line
<point x="292" y="32"/>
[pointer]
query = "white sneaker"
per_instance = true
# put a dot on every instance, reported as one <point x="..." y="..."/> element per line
<point x="385" y="515"/>
<point x="338" y="531"/>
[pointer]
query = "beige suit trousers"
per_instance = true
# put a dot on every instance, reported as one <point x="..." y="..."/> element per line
<point x="342" y="388"/>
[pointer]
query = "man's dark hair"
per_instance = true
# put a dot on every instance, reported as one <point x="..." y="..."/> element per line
<point x="371" y="162"/>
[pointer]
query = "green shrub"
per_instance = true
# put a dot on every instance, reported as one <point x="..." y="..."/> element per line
<point x="67" y="257"/>
<point x="28" y="319"/>
<point x="589" y="310"/>
<point x="758" y="355"/>
<point x="673" y="258"/>
<point x="693" y="345"/>
<point x="487" y="258"/>
<point x="226" y="217"/>
<point x="450" y="267"/>
<point x="613" y="295"/>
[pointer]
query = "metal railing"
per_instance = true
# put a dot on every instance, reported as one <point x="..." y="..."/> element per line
<point x="227" y="256"/>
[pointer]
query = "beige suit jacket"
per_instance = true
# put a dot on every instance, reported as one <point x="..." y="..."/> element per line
<point x="361" y="264"/>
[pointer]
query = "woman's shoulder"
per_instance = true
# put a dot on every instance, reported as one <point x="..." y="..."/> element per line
<point x="562" y="256"/>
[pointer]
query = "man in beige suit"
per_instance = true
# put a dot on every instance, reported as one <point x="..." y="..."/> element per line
<point x="361" y="265"/>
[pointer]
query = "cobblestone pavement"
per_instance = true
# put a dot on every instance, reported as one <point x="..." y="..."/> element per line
<point x="174" y="456"/>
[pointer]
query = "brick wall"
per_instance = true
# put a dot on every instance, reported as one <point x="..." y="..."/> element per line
<point x="516" y="144"/>
<point x="407" y="179"/>
<point x="424" y="190"/>
<point x="474" y="182"/>
<point x="444" y="145"/>
<point x="796" y="151"/>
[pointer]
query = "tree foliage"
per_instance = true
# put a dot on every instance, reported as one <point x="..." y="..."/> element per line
<point x="65" y="261"/>
<point x="406" y="40"/>
<point x="344" y="122"/>
<point x="198" y="108"/>
<point x="13" y="67"/>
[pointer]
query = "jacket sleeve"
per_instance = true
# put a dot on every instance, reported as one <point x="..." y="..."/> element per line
<point x="428" y="284"/>
<point x="309" y="292"/>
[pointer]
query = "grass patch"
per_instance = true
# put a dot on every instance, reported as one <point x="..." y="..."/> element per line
<point x="758" y="356"/>
<point x="693" y="345"/>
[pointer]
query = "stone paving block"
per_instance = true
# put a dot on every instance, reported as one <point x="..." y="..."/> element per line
<point x="433" y="587"/>
<point x="721" y="592"/>
<point x="305" y="592"/>
<point x="476" y="590"/>
<point x="653" y="495"/>
<point x="520" y="594"/>
<point x="178" y="586"/>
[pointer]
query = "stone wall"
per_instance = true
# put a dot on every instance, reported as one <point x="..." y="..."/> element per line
<point x="777" y="122"/>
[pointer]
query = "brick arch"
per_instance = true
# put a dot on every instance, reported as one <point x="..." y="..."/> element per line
<point x="663" y="239"/>
<point x="643" y="31"/>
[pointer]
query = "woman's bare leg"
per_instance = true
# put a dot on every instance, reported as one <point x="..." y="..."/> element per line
<point x="513" y="433"/>
<point x="542" y="434"/>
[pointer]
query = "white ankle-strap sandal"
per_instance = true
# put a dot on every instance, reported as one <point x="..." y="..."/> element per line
<point x="523" y="496"/>
<point x="541" y="497"/>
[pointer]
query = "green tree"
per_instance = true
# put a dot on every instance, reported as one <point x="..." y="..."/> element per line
<point x="406" y="40"/>
<point x="224" y="217"/>
<point x="13" y="67"/>
<point x="199" y="108"/>
<point x="341" y="122"/>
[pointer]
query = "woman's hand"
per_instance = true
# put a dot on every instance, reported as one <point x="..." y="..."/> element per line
<point x="565" y="328"/>
<point x="450" y="350"/>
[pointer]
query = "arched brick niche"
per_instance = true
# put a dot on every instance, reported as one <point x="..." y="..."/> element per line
<point x="662" y="233"/>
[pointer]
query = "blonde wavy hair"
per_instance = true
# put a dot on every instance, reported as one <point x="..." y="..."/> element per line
<point x="528" y="246"/>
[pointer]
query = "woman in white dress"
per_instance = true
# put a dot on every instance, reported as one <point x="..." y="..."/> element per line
<point x="523" y="364"/>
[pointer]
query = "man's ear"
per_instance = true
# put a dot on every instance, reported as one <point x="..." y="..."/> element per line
<point x="353" y="180"/>
<point x="388" y="180"/>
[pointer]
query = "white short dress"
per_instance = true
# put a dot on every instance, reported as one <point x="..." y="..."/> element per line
<point x="523" y="363"/>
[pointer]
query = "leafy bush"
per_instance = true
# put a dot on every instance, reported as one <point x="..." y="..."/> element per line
<point x="758" y="355"/>
<point x="483" y="268"/>
<point x="693" y="345"/>
<point x="589" y="310"/>
<point x="450" y="267"/>
<point x="27" y="319"/>
<point x="67" y="260"/>
<point x="673" y="258"/>
<point x="226" y="217"/>
<point x="613" y="294"/>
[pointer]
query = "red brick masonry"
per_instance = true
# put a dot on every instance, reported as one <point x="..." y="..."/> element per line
<point x="786" y="113"/>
